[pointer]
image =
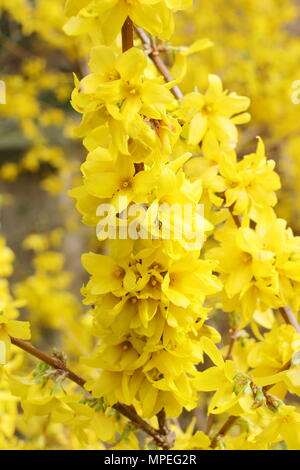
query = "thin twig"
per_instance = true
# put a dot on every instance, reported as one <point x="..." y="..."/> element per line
<point x="50" y="360"/>
<point x="289" y="317"/>
<point x="209" y="423"/>
<point x="128" y="411"/>
<point x="153" y="52"/>
<point x="233" y="338"/>
<point x="224" y="429"/>
<point x="162" y="422"/>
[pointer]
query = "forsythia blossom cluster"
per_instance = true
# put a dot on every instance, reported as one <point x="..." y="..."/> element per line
<point x="141" y="289"/>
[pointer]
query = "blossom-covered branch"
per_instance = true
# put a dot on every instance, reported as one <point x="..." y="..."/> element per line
<point x="161" y="438"/>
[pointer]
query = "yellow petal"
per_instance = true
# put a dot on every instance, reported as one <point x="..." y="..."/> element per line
<point x="212" y="351"/>
<point x="19" y="329"/>
<point x="74" y="6"/>
<point x="197" y="130"/>
<point x="131" y="64"/>
<point x="209" y="380"/>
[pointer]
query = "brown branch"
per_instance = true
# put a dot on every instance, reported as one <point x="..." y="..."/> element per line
<point x="130" y="413"/>
<point x="164" y="428"/>
<point x="233" y="338"/>
<point x="289" y="317"/>
<point x="236" y="218"/>
<point x="164" y="441"/>
<point x="153" y="52"/>
<point x="224" y="429"/>
<point x="127" y="35"/>
<point x="52" y="361"/>
<point x="162" y="422"/>
<point x="209" y="423"/>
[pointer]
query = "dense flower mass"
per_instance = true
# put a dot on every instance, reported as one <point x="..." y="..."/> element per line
<point x="142" y="288"/>
<point x="187" y="239"/>
<point x="215" y="111"/>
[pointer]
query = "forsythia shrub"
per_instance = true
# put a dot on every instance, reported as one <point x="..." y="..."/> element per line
<point x="161" y="282"/>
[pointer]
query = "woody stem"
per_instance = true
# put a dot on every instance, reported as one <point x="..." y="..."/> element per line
<point x="153" y="53"/>
<point x="127" y="411"/>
